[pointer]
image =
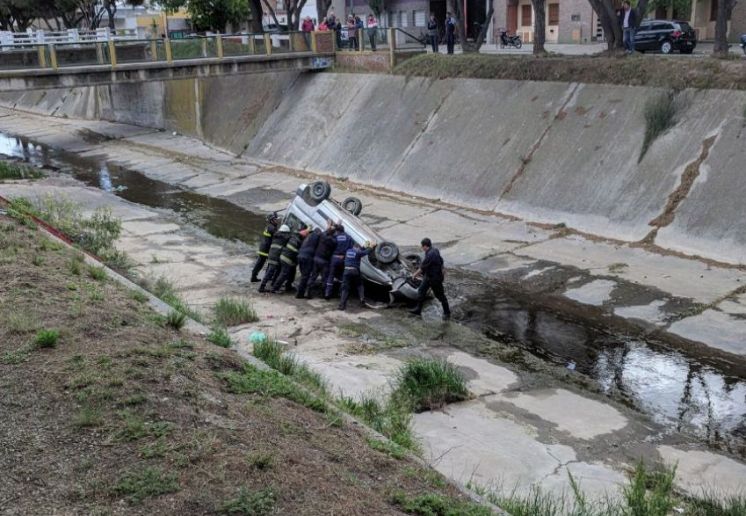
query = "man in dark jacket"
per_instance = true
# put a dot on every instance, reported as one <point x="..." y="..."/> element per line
<point x="351" y="277"/>
<point x="628" y="21"/>
<point x="288" y="261"/>
<point x="322" y="259"/>
<point x="343" y="242"/>
<point x="432" y="274"/>
<point x="305" y="260"/>
<point x="264" y="245"/>
<point x="273" y="258"/>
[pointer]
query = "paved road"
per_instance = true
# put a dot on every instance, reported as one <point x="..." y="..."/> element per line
<point x="703" y="49"/>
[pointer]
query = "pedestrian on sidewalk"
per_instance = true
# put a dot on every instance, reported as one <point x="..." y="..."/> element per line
<point x="351" y="33"/>
<point x="264" y="244"/>
<point x="433" y="275"/>
<point x="307" y="28"/>
<point x="450" y="32"/>
<point x="432" y="32"/>
<point x="273" y="259"/>
<point x="351" y="278"/>
<point x="628" y="21"/>
<point x="372" y="31"/>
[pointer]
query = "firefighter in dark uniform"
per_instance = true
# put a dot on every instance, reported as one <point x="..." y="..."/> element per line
<point x="264" y="246"/>
<point x="305" y="260"/>
<point x="343" y="242"/>
<point x="273" y="257"/>
<point x="432" y="274"/>
<point x="321" y="259"/>
<point x="288" y="261"/>
<point x="351" y="278"/>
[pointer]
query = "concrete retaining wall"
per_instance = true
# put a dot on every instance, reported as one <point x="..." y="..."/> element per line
<point x="542" y="151"/>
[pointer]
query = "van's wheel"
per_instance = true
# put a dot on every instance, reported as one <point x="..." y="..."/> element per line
<point x="320" y="191"/>
<point x="666" y="47"/>
<point x="386" y="252"/>
<point x="353" y="205"/>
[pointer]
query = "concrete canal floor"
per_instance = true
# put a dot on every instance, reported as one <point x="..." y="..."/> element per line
<point x="531" y="421"/>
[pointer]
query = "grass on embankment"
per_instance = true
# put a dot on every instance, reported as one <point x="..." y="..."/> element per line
<point x="112" y="410"/>
<point x="654" y="71"/>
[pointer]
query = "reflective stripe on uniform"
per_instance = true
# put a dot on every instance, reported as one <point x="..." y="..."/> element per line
<point x="267" y="234"/>
<point x="261" y="253"/>
<point x="287" y="260"/>
<point x="292" y="248"/>
<point x="276" y="245"/>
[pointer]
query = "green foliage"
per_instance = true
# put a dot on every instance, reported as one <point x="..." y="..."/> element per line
<point x="176" y="319"/>
<point x="163" y="289"/>
<point x="47" y="338"/>
<point x="88" y="416"/>
<point x="650" y="493"/>
<point x="711" y="505"/>
<point x="211" y="14"/>
<point x="250" y="503"/>
<point x="388" y="447"/>
<point x="232" y="312"/>
<point x="97" y="273"/>
<point x="431" y="504"/>
<point x="681" y="8"/>
<point x="430" y="383"/>
<point x="270" y="383"/>
<point x="10" y="170"/>
<point x="261" y="460"/>
<point x="220" y="337"/>
<point x="392" y="417"/>
<point x="144" y="483"/>
<point x="660" y="115"/>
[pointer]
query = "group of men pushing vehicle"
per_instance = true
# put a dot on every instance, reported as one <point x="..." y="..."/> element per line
<point x="330" y="255"/>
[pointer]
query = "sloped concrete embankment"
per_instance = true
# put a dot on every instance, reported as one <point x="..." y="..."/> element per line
<point x="542" y="151"/>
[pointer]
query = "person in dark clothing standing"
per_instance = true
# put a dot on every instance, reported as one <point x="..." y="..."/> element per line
<point x="343" y="242"/>
<point x="450" y="32"/>
<point x="432" y="32"/>
<point x="288" y="261"/>
<point x="321" y="259"/>
<point x="305" y="260"/>
<point x="264" y="246"/>
<point x="432" y="274"/>
<point x="351" y="277"/>
<point x="273" y="258"/>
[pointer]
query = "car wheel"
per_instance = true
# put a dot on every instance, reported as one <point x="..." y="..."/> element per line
<point x="518" y="44"/>
<point x="353" y="205"/>
<point x="666" y="47"/>
<point x="320" y="191"/>
<point x="386" y="252"/>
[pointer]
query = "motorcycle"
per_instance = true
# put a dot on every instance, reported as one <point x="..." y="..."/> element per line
<point x="506" y="40"/>
<point x="743" y="43"/>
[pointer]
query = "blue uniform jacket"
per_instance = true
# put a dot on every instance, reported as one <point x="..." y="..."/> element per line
<point x="353" y="257"/>
<point x="344" y="242"/>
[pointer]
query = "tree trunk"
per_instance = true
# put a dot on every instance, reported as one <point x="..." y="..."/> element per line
<point x="257" y="15"/>
<point x="483" y="31"/>
<point x="111" y="11"/>
<point x="725" y="9"/>
<point x="540" y="26"/>
<point x="608" y="17"/>
<point x="322" y="7"/>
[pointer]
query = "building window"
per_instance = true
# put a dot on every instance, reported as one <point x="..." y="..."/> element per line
<point x="553" y="14"/>
<point x="526" y="15"/>
<point x="403" y="21"/>
<point x="575" y="17"/>
<point x="419" y="18"/>
<point x="713" y="10"/>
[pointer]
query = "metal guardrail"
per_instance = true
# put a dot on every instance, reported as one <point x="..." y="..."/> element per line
<point x="9" y="40"/>
<point x="112" y="52"/>
<point x="386" y="38"/>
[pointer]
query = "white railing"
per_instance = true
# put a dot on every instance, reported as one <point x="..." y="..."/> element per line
<point x="40" y="37"/>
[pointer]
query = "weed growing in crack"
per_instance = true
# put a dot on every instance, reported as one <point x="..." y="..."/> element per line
<point x="430" y="384"/>
<point x="9" y="170"/>
<point x="176" y="319"/>
<point x="97" y="273"/>
<point x="232" y="312"/>
<point x="660" y="115"/>
<point x="220" y="337"/>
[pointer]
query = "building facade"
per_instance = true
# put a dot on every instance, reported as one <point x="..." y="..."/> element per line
<point x="567" y="21"/>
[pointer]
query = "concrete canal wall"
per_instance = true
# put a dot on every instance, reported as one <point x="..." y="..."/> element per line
<point x="542" y="151"/>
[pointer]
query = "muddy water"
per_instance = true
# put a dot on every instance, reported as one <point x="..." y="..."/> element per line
<point x="696" y="395"/>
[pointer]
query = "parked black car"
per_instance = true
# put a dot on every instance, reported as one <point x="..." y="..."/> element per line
<point x="665" y="36"/>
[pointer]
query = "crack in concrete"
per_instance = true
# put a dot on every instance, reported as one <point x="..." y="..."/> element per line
<point x="525" y="160"/>
<point x="675" y="198"/>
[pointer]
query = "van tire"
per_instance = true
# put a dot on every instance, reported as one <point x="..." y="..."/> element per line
<point x="319" y="191"/>
<point x="353" y="205"/>
<point x="386" y="252"/>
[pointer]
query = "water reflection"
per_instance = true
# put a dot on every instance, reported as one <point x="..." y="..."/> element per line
<point x="681" y="392"/>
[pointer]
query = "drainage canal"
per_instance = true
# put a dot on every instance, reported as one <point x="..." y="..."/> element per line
<point x="700" y="395"/>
